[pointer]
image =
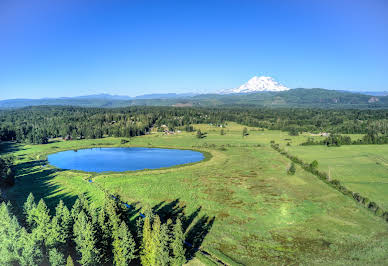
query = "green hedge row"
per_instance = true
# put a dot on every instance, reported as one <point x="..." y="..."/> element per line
<point x="372" y="206"/>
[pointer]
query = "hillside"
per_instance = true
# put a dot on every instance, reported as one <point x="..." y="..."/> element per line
<point x="300" y="97"/>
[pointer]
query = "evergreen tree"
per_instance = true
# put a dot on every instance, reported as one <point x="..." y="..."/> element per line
<point x="76" y="209"/>
<point x="64" y="219"/>
<point x="147" y="253"/>
<point x="162" y="253"/>
<point x="29" y="249"/>
<point x="123" y="246"/>
<point x="9" y="234"/>
<point x="55" y="235"/>
<point x="177" y="245"/>
<point x="104" y="234"/>
<point x="28" y="208"/>
<point x="85" y="240"/>
<point x="56" y="258"/>
<point x="41" y="218"/>
<point x="69" y="261"/>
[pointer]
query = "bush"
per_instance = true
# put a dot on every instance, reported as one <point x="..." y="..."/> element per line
<point x="314" y="164"/>
<point x="293" y="132"/>
<point x="123" y="141"/>
<point x="335" y="183"/>
<point x="199" y="134"/>
<point x="379" y="212"/>
<point x="292" y="169"/>
<point x="372" y="205"/>
<point x="366" y="202"/>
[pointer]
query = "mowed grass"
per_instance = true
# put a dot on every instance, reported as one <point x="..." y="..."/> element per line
<point x="362" y="168"/>
<point x="261" y="215"/>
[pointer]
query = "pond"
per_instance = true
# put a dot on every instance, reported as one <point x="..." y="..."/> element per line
<point x="122" y="159"/>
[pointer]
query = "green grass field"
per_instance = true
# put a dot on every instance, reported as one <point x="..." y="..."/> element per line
<point x="362" y="168"/>
<point x="261" y="214"/>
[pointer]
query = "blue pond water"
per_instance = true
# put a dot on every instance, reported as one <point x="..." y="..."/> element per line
<point x="122" y="159"/>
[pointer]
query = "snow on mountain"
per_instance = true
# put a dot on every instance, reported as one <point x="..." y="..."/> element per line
<point x="257" y="84"/>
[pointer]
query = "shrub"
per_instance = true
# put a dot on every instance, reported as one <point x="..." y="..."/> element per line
<point x="379" y="212"/>
<point x="314" y="164"/>
<point x="335" y="183"/>
<point x="372" y="205"/>
<point x="366" y="202"/>
<point x="357" y="197"/>
<point x="292" y="169"/>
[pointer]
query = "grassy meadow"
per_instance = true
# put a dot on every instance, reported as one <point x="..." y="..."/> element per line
<point x="249" y="210"/>
<point x="362" y="168"/>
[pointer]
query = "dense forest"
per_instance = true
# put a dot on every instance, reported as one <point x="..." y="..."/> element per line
<point x="106" y="236"/>
<point x="39" y="124"/>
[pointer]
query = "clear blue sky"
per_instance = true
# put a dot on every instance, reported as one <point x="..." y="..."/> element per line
<point x="67" y="48"/>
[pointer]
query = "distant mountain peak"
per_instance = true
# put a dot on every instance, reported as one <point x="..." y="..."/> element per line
<point x="257" y="84"/>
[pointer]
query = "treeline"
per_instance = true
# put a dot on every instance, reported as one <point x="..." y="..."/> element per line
<point x="90" y="236"/>
<point x="312" y="168"/>
<point x="338" y="140"/>
<point x="38" y="124"/>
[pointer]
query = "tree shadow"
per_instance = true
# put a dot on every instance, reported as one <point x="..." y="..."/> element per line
<point x="9" y="147"/>
<point x="197" y="233"/>
<point x="33" y="177"/>
<point x="194" y="227"/>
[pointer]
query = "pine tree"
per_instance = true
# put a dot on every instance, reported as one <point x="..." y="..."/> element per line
<point x="85" y="206"/>
<point x="123" y="246"/>
<point x="147" y="253"/>
<point x="76" y="209"/>
<point x="85" y="239"/>
<point x="177" y="245"/>
<point x="56" y="258"/>
<point x="9" y="234"/>
<point x="41" y="218"/>
<point x="104" y="235"/>
<point x="64" y="219"/>
<point x="69" y="261"/>
<point x="162" y="253"/>
<point x="28" y="249"/>
<point x="55" y="235"/>
<point x="113" y="211"/>
<point x="28" y="208"/>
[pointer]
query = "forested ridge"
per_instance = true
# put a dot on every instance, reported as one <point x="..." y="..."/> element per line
<point x="300" y="97"/>
<point x="38" y="124"/>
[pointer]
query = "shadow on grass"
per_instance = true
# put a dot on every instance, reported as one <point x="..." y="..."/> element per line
<point x="195" y="226"/>
<point x="34" y="177"/>
<point x="9" y="147"/>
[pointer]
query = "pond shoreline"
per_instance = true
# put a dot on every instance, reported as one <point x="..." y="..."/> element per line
<point x="151" y="158"/>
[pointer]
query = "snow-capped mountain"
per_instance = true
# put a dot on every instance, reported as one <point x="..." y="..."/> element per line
<point x="257" y="84"/>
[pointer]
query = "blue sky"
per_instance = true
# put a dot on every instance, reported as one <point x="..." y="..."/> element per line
<point x="68" y="48"/>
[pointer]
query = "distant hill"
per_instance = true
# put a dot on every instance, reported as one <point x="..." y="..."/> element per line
<point x="300" y="97"/>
